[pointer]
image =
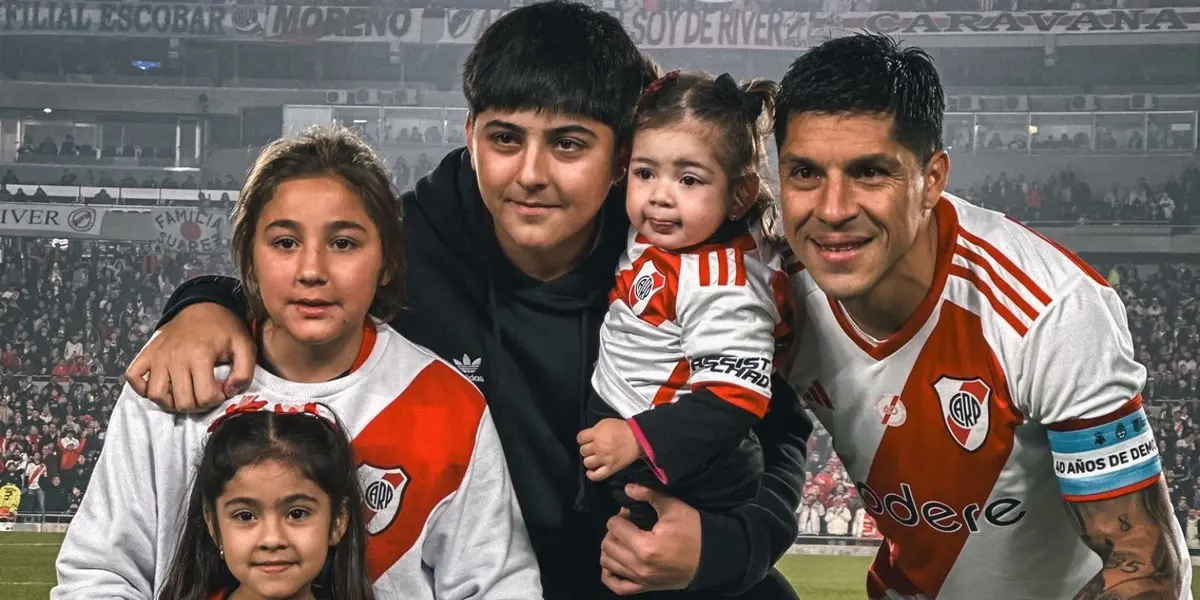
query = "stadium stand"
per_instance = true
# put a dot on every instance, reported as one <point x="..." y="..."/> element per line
<point x="71" y="318"/>
<point x="1067" y="197"/>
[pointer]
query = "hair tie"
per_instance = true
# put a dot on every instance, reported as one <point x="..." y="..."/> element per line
<point x="252" y="403"/>
<point x="750" y="105"/>
<point x="658" y="84"/>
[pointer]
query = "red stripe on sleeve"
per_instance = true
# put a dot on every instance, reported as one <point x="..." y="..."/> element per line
<point x="745" y="399"/>
<point x="1076" y="424"/>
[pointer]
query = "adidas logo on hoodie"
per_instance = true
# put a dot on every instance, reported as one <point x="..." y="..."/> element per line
<point x="468" y="367"/>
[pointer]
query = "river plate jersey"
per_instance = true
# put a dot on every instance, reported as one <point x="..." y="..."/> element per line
<point x="441" y="517"/>
<point x="1011" y="390"/>
<point x="707" y="317"/>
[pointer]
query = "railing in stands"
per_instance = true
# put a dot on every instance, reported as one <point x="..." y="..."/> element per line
<point x="113" y="195"/>
<point x="837" y="540"/>
<point x="1112" y="222"/>
<point x="33" y="517"/>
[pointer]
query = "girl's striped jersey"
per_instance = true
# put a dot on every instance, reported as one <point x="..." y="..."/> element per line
<point x="706" y="319"/>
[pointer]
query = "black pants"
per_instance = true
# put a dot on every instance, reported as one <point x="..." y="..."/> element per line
<point x="729" y="479"/>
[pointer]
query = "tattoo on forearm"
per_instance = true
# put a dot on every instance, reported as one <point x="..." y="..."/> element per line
<point x="1124" y="521"/>
<point x="1134" y="536"/>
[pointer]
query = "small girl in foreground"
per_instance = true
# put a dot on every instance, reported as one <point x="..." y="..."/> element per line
<point x="688" y="345"/>
<point x="275" y="512"/>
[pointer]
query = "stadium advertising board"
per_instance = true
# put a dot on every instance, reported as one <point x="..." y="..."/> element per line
<point x="126" y="20"/>
<point x="706" y="28"/>
<point x="730" y="29"/>
<point x="64" y="219"/>
<point x="1088" y="21"/>
<point x="288" y="23"/>
<point x="740" y="29"/>
<point x="55" y="211"/>
<point x="306" y="24"/>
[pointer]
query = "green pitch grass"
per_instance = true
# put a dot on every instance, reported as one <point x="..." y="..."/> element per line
<point x="27" y="564"/>
<point x="27" y="570"/>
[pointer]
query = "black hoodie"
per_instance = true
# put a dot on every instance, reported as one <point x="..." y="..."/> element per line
<point x="530" y="347"/>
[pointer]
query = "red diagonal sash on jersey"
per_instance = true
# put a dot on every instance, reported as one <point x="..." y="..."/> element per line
<point x="428" y="431"/>
<point x="917" y="557"/>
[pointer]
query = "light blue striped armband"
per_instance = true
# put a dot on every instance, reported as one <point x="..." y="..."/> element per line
<point x="1104" y="461"/>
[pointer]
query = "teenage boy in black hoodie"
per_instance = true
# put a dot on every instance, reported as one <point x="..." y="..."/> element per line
<point x="511" y="246"/>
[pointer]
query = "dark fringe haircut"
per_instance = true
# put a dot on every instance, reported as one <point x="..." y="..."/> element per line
<point x="868" y="73"/>
<point x="558" y="57"/>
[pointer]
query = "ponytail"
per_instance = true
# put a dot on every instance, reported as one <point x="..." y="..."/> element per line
<point x="766" y="208"/>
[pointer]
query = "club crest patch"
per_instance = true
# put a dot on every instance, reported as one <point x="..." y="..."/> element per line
<point x="383" y="495"/>
<point x="646" y="284"/>
<point x="966" y="407"/>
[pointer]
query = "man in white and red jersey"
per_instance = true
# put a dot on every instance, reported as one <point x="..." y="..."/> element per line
<point x="978" y="381"/>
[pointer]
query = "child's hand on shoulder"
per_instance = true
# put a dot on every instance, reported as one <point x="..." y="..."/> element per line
<point x="608" y="447"/>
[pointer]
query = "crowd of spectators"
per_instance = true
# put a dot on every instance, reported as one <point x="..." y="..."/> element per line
<point x="970" y="136"/>
<point x="1065" y="196"/>
<point x="405" y="176"/>
<point x="394" y="140"/>
<point x="399" y="132"/>
<point x="149" y="179"/>
<point x="72" y="316"/>
<point x="101" y="189"/>
<point x="67" y="151"/>
<point x="397" y="139"/>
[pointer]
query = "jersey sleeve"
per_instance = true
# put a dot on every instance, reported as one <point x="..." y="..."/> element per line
<point x="727" y="318"/>
<point x="1080" y="381"/>
<point x="478" y="546"/>
<point x="110" y="550"/>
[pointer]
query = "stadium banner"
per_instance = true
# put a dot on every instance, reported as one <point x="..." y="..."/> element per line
<point x="1040" y="22"/>
<point x="300" y="24"/>
<point x="124" y="19"/>
<point x="709" y="27"/>
<point x="783" y="30"/>
<point x="49" y="219"/>
<point x="189" y="228"/>
<point x="727" y="29"/>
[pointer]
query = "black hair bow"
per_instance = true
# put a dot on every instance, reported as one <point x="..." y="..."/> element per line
<point x="750" y="105"/>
